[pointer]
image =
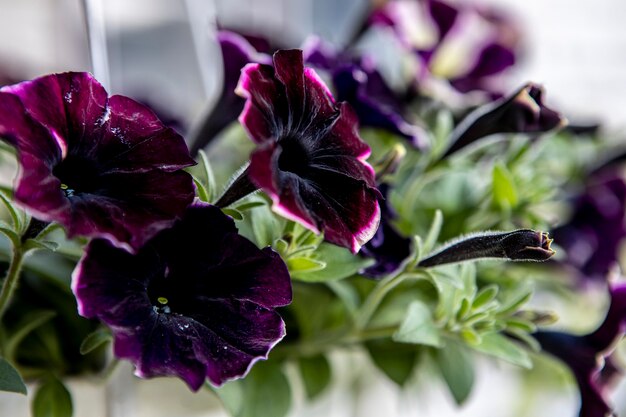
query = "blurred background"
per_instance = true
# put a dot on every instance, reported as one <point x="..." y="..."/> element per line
<point x="162" y="52"/>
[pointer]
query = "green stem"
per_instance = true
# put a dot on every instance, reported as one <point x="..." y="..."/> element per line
<point x="11" y="279"/>
<point x="377" y="295"/>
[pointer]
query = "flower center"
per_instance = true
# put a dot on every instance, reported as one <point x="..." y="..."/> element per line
<point x="293" y="157"/>
<point x="77" y="175"/>
<point x="161" y="306"/>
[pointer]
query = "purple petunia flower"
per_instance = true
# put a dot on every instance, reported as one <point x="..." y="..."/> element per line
<point x="465" y="44"/>
<point x="309" y="158"/>
<point x="357" y="81"/>
<point x="197" y="301"/>
<point x="593" y="235"/>
<point x="522" y="112"/>
<point x="585" y="355"/>
<point x="101" y="166"/>
<point x="236" y="53"/>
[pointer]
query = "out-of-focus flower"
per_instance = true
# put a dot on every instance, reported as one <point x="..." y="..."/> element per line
<point x="585" y="355"/>
<point x="357" y="81"/>
<point x="197" y="301"/>
<point x="518" y="245"/>
<point x="466" y="44"/>
<point x="310" y="158"/>
<point x="236" y="53"/>
<point x="522" y="112"/>
<point x="388" y="248"/>
<point x="593" y="235"/>
<point x="101" y="166"/>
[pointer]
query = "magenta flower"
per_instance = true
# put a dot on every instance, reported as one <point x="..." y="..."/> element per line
<point x="309" y="159"/>
<point x="588" y="356"/>
<point x="100" y="166"/>
<point x="197" y="301"/>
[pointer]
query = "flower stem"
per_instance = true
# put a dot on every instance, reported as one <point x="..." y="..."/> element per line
<point x="377" y="295"/>
<point x="11" y="279"/>
<point x="238" y="189"/>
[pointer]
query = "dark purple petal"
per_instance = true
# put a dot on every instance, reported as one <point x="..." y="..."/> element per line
<point x="492" y="59"/>
<point x="584" y="364"/>
<point x="444" y="15"/>
<point x="102" y="167"/>
<point x="236" y="53"/>
<point x="375" y="104"/>
<point x="592" y="236"/>
<point x="614" y="324"/>
<point x="195" y="302"/>
<point x="359" y="83"/>
<point x="388" y="248"/>
<point x="486" y="39"/>
<point x="585" y="355"/>
<point x="310" y="159"/>
<point x="522" y="112"/>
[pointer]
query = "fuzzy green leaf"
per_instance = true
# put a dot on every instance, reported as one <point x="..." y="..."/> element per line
<point x="500" y="346"/>
<point x="265" y="392"/>
<point x="316" y="374"/>
<point x="433" y="232"/>
<point x="484" y="296"/>
<point x="52" y="399"/>
<point x="392" y="360"/>
<point x="235" y="214"/>
<point x="94" y="340"/>
<point x="340" y="263"/>
<point x="10" y="378"/>
<point x="298" y="265"/>
<point x="30" y="322"/>
<point x="457" y="370"/>
<point x="418" y="327"/>
<point x="504" y="189"/>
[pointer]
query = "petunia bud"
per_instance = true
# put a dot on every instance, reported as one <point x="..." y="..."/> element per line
<point x="522" y="112"/>
<point x="519" y="245"/>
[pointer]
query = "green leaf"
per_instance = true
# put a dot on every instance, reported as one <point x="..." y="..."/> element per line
<point x="6" y="230"/>
<point x="32" y="244"/>
<point x="265" y="226"/>
<point x="298" y="265"/>
<point x="30" y="322"/>
<point x="504" y="189"/>
<point x="394" y="361"/>
<point x="316" y="374"/>
<point x="203" y="194"/>
<point x="521" y="324"/>
<point x="233" y="213"/>
<point x="17" y="220"/>
<point x="500" y="346"/>
<point x="340" y="263"/>
<point x="471" y="336"/>
<point x="484" y="296"/>
<point x="250" y="205"/>
<point x="511" y="306"/>
<point x="94" y="340"/>
<point x="265" y="392"/>
<point x="418" y="327"/>
<point x="457" y="370"/>
<point x="208" y="173"/>
<point x="433" y="232"/>
<point x="52" y="399"/>
<point x="10" y="378"/>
